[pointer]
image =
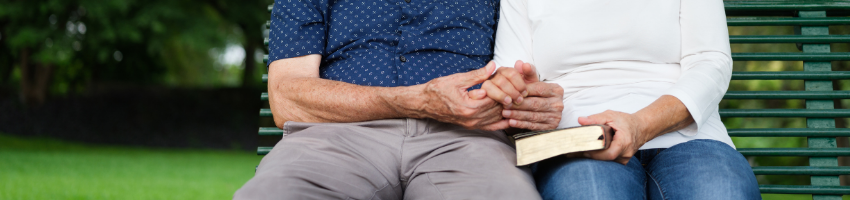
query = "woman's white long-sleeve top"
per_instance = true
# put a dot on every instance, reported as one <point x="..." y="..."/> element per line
<point x="624" y="54"/>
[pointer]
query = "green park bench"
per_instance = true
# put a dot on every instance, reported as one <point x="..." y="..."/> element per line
<point x="811" y="20"/>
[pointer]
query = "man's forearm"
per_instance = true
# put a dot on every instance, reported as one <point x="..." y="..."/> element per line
<point x="307" y="99"/>
<point x="296" y="93"/>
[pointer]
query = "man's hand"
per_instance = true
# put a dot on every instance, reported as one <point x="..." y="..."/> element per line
<point x="446" y="99"/>
<point x="628" y="137"/>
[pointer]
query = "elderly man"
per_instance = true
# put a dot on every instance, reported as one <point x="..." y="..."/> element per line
<point x="373" y="97"/>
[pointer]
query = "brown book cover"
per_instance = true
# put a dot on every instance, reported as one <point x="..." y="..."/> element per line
<point x="535" y="146"/>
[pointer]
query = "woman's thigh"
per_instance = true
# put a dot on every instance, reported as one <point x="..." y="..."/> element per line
<point x="581" y="178"/>
<point x="701" y="169"/>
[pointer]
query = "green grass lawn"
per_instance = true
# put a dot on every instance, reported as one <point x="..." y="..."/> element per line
<point x="50" y="169"/>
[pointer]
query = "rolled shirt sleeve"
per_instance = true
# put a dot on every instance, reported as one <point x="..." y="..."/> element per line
<point x="706" y="60"/>
<point x="297" y="28"/>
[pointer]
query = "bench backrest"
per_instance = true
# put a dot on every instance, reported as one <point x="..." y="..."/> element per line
<point x="811" y="19"/>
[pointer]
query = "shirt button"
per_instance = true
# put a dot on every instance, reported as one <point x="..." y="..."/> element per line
<point x="402" y="58"/>
<point x="408" y="1"/>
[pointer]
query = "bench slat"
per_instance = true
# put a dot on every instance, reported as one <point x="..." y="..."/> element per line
<point x="787" y="95"/>
<point x="792" y="75"/>
<point x="801" y="170"/>
<point x="263" y="150"/>
<point x="272" y="131"/>
<point x="845" y="94"/>
<point x="784" y="5"/>
<point x="789" y="38"/>
<point x="265" y="112"/>
<point x="749" y="132"/>
<point x="797" y="75"/>
<point x="790" y="56"/>
<point x="790" y="132"/>
<point x="818" y="152"/>
<point x="804" y="189"/>
<point x="786" y="21"/>
<point x="785" y="113"/>
<point x="266" y="58"/>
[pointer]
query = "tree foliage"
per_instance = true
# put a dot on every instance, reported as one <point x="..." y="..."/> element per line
<point x="61" y="46"/>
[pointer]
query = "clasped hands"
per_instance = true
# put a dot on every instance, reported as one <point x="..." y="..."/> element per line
<point x="511" y="97"/>
<point x="515" y="98"/>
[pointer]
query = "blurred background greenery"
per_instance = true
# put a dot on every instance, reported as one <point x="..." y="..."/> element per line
<point x="157" y="99"/>
<point x="129" y="99"/>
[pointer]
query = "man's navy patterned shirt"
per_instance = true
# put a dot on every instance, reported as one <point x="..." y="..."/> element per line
<point x="385" y="42"/>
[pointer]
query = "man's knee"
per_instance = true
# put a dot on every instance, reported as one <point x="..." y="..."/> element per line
<point x="305" y="182"/>
<point x="511" y="184"/>
<point x="284" y="185"/>
<point x="326" y="162"/>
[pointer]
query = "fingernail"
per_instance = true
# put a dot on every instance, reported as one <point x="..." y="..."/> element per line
<point x="518" y="100"/>
<point x="525" y="93"/>
<point x="512" y="122"/>
<point x="506" y="113"/>
<point x="507" y="100"/>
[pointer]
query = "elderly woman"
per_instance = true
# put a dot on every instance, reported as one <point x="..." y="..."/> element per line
<point x="655" y="71"/>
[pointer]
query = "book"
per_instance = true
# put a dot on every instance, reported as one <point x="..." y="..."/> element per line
<point x="532" y="147"/>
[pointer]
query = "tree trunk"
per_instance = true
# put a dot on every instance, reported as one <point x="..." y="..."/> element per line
<point x="250" y="63"/>
<point x="6" y="66"/>
<point x="253" y="39"/>
<point x="35" y="79"/>
<point x="25" y="77"/>
<point x="7" y="61"/>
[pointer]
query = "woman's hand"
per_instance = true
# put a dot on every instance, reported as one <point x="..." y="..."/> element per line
<point x="628" y="135"/>
<point x="541" y="110"/>
<point x="541" y="105"/>
<point x="508" y="85"/>
<point x="664" y="115"/>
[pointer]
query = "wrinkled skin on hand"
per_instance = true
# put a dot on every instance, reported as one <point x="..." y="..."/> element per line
<point x="628" y="137"/>
<point x="541" y="110"/>
<point x="447" y="100"/>
<point x="538" y="105"/>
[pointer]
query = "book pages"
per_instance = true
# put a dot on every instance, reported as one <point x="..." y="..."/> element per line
<point x="539" y="147"/>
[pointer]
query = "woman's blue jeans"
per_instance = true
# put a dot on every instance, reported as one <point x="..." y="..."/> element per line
<point x="698" y="169"/>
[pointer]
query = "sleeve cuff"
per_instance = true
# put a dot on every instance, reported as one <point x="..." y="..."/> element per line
<point x="692" y="107"/>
